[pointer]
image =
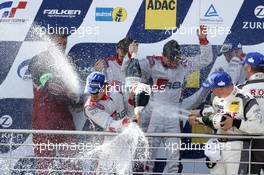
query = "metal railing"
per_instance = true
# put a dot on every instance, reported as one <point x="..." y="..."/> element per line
<point x="10" y="157"/>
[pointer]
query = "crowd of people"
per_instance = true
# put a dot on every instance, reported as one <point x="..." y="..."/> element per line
<point x="235" y="106"/>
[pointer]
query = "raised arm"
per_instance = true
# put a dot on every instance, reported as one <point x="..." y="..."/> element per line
<point x="206" y="56"/>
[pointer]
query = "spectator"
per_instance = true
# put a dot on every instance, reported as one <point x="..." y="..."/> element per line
<point x="233" y="53"/>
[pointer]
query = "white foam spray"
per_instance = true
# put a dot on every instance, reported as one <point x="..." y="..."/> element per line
<point x="117" y="155"/>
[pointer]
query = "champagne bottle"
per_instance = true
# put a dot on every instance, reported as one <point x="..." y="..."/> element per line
<point x="132" y="72"/>
<point x="213" y="121"/>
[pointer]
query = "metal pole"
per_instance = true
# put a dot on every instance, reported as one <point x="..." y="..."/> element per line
<point x="10" y="154"/>
<point x="250" y="150"/>
<point x="99" y="133"/>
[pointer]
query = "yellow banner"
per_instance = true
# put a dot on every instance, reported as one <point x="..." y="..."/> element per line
<point x="201" y="129"/>
<point x="160" y="14"/>
<point x="193" y="80"/>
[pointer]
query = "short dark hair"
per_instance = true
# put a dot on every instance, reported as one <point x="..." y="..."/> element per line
<point x="171" y="49"/>
<point x="124" y="43"/>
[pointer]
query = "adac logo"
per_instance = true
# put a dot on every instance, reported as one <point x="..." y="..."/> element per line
<point x="211" y="11"/>
<point x="161" y="5"/>
<point x="22" y="70"/>
<point x="117" y="14"/>
<point x="9" y="11"/>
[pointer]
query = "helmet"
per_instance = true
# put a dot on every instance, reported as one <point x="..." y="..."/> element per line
<point x="217" y="79"/>
<point x="124" y="43"/>
<point x="94" y="82"/>
<point x="171" y="50"/>
<point x="254" y="59"/>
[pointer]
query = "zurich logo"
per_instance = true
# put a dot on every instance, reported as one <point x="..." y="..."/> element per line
<point x="6" y="121"/>
<point x="22" y="70"/>
<point x="211" y="11"/>
<point x="259" y="11"/>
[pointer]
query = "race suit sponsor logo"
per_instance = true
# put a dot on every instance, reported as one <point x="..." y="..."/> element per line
<point x="164" y="83"/>
<point x="118" y="116"/>
<point x="160" y="14"/>
<point x="259" y="14"/>
<point x="234" y="106"/>
<point x="219" y="106"/>
<point x="62" y="13"/>
<point x="257" y="93"/>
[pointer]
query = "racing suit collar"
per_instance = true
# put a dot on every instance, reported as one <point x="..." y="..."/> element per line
<point x="118" y="61"/>
<point x="257" y="76"/>
<point x="105" y="97"/>
<point x="164" y="65"/>
<point x="242" y="56"/>
<point x="162" y="62"/>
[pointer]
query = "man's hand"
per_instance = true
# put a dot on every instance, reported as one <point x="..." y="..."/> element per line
<point x="73" y="96"/>
<point x="132" y="91"/>
<point x="193" y="119"/>
<point x="100" y="65"/>
<point x="137" y="119"/>
<point x="228" y="123"/>
<point x="202" y="32"/>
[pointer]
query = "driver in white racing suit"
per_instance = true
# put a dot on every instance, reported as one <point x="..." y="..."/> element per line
<point x="254" y="69"/>
<point x="105" y="106"/>
<point x="168" y="73"/>
<point x="234" y="112"/>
